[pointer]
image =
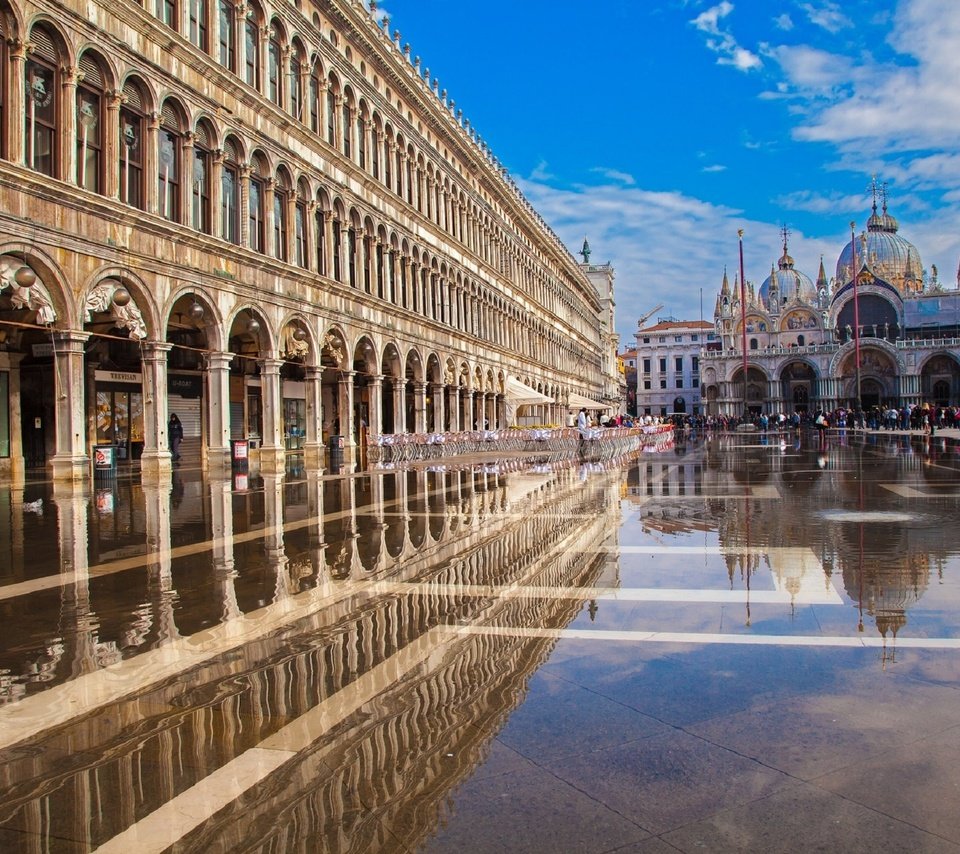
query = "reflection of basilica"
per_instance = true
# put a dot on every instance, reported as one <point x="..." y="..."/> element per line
<point x="802" y="336"/>
<point x="325" y="634"/>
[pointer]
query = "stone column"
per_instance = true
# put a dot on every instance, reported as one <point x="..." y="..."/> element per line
<point x="468" y="410"/>
<point x="313" y="448"/>
<point x="453" y="408"/>
<point x="309" y="235"/>
<point x="269" y="220"/>
<point x="218" y="411"/>
<point x="345" y="408"/>
<point x="328" y="247"/>
<point x="11" y="362"/>
<point x="438" y="407"/>
<point x="399" y="405"/>
<point x="271" y="449"/>
<point x="16" y="110"/>
<point x="273" y="536"/>
<point x="70" y="460"/>
<point x="420" y="408"/>
<point x="69" y="77"/>
<point x="216" y="192"/>
<point x="156" y="459"/>
<point x="111" y="145"/>
<point x="151" y="183"/>
<point x="376" y="405"/>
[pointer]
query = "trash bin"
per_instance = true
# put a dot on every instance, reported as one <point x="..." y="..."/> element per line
<point x="104" y="462"/>
<point x="239" y="452"/>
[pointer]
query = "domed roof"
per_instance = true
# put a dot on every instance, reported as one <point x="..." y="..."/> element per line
<point x="888" y="255"/>
<point x="786" y="283"/>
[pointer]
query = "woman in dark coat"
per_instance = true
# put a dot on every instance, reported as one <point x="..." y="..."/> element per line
<point x="175" y="434"/>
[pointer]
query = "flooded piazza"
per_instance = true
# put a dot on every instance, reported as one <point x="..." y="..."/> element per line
<point x="743" y="643"/>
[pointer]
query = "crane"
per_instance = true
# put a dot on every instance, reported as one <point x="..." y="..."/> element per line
<point x="647" y="316"/>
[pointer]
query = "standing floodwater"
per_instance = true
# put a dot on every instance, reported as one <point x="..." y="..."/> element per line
<point x="746" y="643"/>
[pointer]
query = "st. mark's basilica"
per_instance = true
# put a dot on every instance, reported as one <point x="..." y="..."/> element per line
<point x="802" y="336"/>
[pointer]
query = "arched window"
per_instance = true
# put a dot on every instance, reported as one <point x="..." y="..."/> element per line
<point x="169" y="142"/>
<point x="42" y="79"/>
<point x="753" y="344"/>
<point x="337" y="249"/>
<point x="201" y="213"/>
<point x="251" y="34"/>
<point x="256" y="225"/>
<point x="399" y="157"/>
<point x="275" y="67"/>
<point x="300" y="227"/>
<point x="230" y="194"/>
<point x="387" y="145"/>
<point x="90" y="105"/>
<point x="281" y="195"/>
<point x="228" y="35"/>
<point x="361" y="138"/>
<point x="801" y="340"/>
<point x="331" y="114"/>
<point x="352" y="256"/>
<point x="314" y="97"/>
<point x="296" y="83"/>
<point x="346" y="124"/>
<point x="199" y="34"/>
<point x="375" y="170"/>
<point x="131" y="146"/>
<point x="320" y="230"/>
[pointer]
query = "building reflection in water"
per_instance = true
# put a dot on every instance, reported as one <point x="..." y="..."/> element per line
<point x="221" y="616"/>
<point x="370" y="634"/>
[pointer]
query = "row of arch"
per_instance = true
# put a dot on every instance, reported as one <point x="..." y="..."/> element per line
<point x="149" y="148"/>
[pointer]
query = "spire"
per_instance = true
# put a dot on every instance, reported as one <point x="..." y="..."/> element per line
<point x="786" y="262"/>
<point x="821" y="277"/>
<point x="725" y="287"/>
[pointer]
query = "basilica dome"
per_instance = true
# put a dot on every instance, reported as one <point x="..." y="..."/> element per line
<point x="887" y="255"/>
<point x="786" y="284"/>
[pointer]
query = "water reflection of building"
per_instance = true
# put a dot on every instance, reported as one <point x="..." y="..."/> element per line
<point x="314" y="631"/>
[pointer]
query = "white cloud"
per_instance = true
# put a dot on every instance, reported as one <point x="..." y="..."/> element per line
<point x="716" y="167"/>
<point x="783" y="22"/>
<point x="722" y="42"/>
<point x="827" y="15"/>
<point x="541" y="173"/>
<point x="615" y="175"/>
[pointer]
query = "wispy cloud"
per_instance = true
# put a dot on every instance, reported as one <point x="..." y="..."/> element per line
<point x="827" y="15"/>
<point x="615" y="175"/>
<point x="716" y="167"/>
<point x="783" y="22"/>
<point x="722" y="42"/>
<point x="541" y="172"/>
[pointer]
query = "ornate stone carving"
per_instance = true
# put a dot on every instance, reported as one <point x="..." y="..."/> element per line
<point x="33" y="298"/>
<point x="100" y="301"/>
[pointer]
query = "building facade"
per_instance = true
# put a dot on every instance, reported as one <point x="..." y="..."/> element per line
<point x="883" y="332"/>
<point x="668" y="356"/>
<point x="269" y="219"/>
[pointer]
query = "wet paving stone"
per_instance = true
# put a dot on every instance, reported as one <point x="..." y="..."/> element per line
<point x="744" y="643"/>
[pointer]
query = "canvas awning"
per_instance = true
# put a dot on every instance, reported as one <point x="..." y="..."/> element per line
<point x="522" y="395"/>
<point x="578" y="401"/>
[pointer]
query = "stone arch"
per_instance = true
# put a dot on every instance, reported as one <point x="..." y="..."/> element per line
<point x="53" y="279"/>
<point x="102" y="291"/>
<point x="298" y="339"/>
<point x="212" y="319"/>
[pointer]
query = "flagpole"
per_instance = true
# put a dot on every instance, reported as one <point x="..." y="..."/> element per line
<point x="743" y="325"/>
<point x="856" y="310"/>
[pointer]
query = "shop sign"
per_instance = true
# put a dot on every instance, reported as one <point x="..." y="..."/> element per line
<point x="41" y="350"/>
<point x="118" y="377"/>
<point x="185" y="385"/>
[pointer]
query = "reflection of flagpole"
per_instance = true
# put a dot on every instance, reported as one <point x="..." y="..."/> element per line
<point x="743" y="323"/>
<point x="856" y="310"/>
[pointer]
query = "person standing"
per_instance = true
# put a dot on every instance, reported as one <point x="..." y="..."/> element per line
<point x="175" y="435"/>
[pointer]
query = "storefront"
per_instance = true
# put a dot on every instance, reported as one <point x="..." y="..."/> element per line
<point x="119" y="413"/>
<point x="294" y="415"/>
<point x="184" y="397"/>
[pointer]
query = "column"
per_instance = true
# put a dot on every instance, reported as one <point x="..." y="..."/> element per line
<point x="150" y="163"/>
<point x="16" y="102"/>
<point x="468" y="419"/>
<point x="156" y="459"/>
<point x="273" y="536"/>
<point x="269" y="220"/>
<point x="111" y="146"/>
<point x="69" y="77"/>
<point x="420" y="408"/>
<point x="376" y="405"/>
<point x="70" y="460"/>
<point x="399" y="405"/>
<point x="328" y="247"/>
<point x="345" y="408"/>
<point x="453" y="408"/>
<point x="186" y="180"/>
<point x="216" y="192"/>
<point x="217" y="452"/>
<point x="313" y="448"/>
<point x="11" y="362"/>
<point x="438" y="407"/>
<point x="221" y="529"/>
<point x="271" y="450"/>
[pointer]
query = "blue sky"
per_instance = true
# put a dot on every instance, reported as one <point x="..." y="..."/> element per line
<point x="657" y="128"/>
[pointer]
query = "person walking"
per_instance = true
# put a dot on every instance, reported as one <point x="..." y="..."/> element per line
<point x="175" y="435"/>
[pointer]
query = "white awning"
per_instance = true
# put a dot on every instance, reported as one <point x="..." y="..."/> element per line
<point x="522" y="395"/>
<point x="578" y="401"/>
